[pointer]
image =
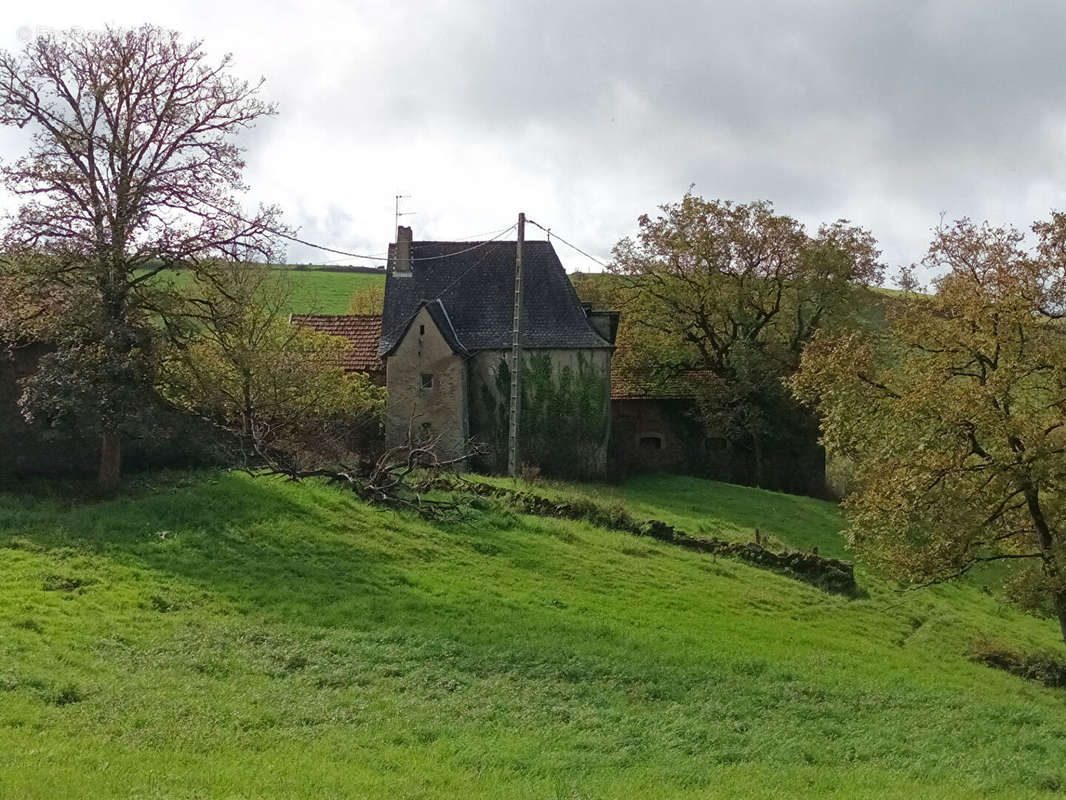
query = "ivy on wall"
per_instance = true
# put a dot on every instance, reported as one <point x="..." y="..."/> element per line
<point x="564" y="422"/>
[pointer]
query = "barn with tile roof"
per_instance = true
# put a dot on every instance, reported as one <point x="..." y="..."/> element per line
<point x="363" y="334"/>
<point x="655" y="422"/>
<point x="445" y="341"/>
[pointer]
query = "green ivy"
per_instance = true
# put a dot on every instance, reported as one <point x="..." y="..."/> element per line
<point x="564" y="421"/>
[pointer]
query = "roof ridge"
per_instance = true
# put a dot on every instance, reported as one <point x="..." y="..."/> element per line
<point x="476" y="290"/>
<point x="336" y="316"/>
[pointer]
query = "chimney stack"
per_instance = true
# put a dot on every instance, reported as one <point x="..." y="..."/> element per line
<point x="401" y="266"/>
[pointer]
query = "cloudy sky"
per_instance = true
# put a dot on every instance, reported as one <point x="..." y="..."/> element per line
<point x="587" y="114"/>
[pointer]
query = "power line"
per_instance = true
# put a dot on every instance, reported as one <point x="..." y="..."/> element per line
<point x="328" y="261"/>
<point x="469" y="238"/>
<point x="551" y="233"/>
<point x="477" y="263"/>
<point x="473" y="237"/>
<point x="322" y="247"/>
<point x="465" y="272"/>
<point x="385" y="258"/>
<point x="468" y="249"/>
<point x="349" y="254"/>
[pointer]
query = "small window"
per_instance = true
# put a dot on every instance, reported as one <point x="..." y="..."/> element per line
<point x="421" y="330"/>
<point x="427" y="430"/>
<point x="651" y="442"/>
<point x="426" y="381"/>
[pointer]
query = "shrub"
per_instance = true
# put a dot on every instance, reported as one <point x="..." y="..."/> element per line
<point x="66" y="694"/>
<point x="61" y="583"/>
<point x="529" y="473"/>
<point x="1042" y="666"/>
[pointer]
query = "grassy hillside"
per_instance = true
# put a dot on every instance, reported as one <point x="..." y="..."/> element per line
<point x="211" y="635"/>
<point x="722" y="510"/>
<point x="314" y="291"/>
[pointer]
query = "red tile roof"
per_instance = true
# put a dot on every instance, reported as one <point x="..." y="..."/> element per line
<point x="626" y="385"/>
<point x="363" y="331"/>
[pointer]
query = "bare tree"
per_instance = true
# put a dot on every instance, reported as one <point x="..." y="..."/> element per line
<point x="131" y="170"/>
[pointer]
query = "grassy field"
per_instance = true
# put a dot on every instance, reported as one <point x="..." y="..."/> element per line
<point x="722" y="510"/>
<point x="314" y="291"/>
<point x="213" y="635"/>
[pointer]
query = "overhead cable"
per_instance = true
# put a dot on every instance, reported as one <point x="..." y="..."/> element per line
<point x="568" y="244"/>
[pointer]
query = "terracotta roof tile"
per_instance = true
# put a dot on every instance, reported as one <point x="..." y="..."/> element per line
<point x="363" y="331"/>
<point x="626" y="385"/>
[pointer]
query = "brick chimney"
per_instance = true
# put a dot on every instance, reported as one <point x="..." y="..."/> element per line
<point x="401" y="265"/>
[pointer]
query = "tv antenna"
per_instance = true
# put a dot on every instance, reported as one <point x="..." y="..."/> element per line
<point x="399" y="213"/>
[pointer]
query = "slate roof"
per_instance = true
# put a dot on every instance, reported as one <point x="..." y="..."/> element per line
<point x="363" y="331"/>
<point x="440" y="318"/>
<point x="474" y="291"/>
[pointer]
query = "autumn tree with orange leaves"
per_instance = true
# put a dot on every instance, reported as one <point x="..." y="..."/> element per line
<point x="955" y="417"/>
<point x="735" y="291"/>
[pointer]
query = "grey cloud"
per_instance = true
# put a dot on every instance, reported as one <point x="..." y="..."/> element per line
<point x="589" y="113"/>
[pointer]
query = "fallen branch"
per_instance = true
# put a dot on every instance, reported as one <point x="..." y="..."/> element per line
<point x="384" y="481"/>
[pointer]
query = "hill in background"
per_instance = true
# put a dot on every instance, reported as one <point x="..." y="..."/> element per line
<point x="315" y="290"/>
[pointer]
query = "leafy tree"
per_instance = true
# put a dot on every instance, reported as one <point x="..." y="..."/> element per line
<point x="600" y="289"/>
<point x="735" y="291"/>
<point x="279" y="386"/>
<point x="369" y="300"/>
<point x="28" y="308"/>
<point x="131" y="170"/>
<point x="956" y="417"/>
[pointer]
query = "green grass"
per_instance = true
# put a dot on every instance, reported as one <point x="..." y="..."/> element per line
<point x="214" y="635"/>
<point x="314" y="291"/>
<point x="318" y="292"/>
<point x="722" y="510"/>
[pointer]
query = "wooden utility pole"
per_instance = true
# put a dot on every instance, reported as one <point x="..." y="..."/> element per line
<point x="516" y="353"/>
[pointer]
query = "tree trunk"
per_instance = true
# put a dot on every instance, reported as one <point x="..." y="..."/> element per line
<point x="246" y="412"/>
<point x="1060" y="611"/>
<point x="1047" y="542"/>
<point x="110" y="460"/>
<point x="757" y="451"/>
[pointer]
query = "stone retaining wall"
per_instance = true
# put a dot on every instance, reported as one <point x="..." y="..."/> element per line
<point x="829" y="574"/>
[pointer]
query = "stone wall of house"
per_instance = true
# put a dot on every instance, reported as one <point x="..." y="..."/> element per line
<point x="166" y="438"/>
<point x="26" y="450"/>
<point x="427" y="389"/>
<point x="566" y="412"/>
<point x="667" y="436"/>
<point x="654" y="436"/>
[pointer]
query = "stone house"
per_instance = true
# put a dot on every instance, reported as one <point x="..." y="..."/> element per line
<point x="443" y="350"/>
<point x="446" y="335"/>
